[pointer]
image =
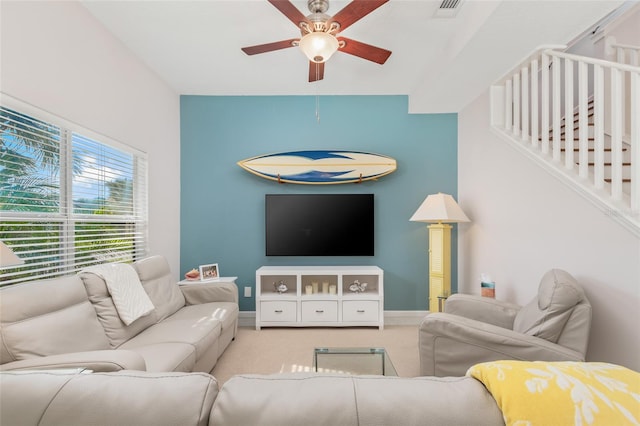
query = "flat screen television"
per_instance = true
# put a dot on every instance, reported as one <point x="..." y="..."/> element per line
<point x="319" y="225"/>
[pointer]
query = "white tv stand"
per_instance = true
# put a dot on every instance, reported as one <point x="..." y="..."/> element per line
<point x="320" y="296"/>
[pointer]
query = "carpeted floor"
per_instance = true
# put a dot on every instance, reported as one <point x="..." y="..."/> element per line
<point x="280" y="350"/>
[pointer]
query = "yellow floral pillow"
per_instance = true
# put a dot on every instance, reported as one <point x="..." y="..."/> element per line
<point x="562" y="393"/>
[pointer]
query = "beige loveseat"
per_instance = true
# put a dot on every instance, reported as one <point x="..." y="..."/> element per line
<point x="72" y="322"/>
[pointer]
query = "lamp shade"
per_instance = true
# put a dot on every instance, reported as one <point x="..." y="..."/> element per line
<point x="439" y="208"/>
<point x="318" y="46"/>
<point x="8" y="257"/>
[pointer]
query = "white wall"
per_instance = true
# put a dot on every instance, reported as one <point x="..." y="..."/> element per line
<point x="57" y="57"/>
<point x="626" y="30"/>
<point x="524" y="222"/>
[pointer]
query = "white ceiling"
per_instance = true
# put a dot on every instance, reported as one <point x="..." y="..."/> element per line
<point x="441" y="63"/>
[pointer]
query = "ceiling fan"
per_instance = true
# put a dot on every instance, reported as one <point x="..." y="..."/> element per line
<point x="319" y="33"/>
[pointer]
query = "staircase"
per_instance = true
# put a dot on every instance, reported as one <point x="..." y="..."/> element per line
<point x="573" y="151"/>
<point x="579" y="119"/>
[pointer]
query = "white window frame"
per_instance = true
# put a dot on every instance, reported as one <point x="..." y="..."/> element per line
<point x="66" y="215"/>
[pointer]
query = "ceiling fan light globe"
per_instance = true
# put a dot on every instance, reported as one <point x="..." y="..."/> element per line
<point x="318" y="46"/>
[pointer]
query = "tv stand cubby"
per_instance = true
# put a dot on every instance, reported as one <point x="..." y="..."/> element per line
<point x="319" y="296"/>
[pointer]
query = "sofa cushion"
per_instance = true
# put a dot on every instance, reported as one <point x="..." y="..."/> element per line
<point x="570" y="392"/>
<point x="162" y="288"/>
<point x="128" y="295"/>
<point x="123" y="398"/>
<point x="423" y="400"/>
<point x="324" y="399"/>
<point x="547" y="314"/>
<point x="224" y="312"/>
<point x="114" y="328"/>
<point x="286" y="399"/>
<point x="200" y="335"/>
<point x="48" y="317"/>
<point x="160" y="357"/>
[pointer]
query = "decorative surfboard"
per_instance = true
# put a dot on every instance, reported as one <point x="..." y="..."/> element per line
<point x="320" y="166"/>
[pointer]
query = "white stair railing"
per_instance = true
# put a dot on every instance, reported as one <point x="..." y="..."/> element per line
<point x="623" y="53"/>
<point x="579" y="118"/>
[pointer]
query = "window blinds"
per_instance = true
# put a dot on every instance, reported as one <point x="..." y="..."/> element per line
<point x="67" y="200"/>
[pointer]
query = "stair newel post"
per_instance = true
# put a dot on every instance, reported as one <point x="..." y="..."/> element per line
<point x="634" y="104"/>
<point x="569" y="130"/>
<point x="534" y="104"/>
<point x="556" y="92"/>
<point x="616" y="134"/>
<point x="583" y="120"/>
<point x="525" y="103"/>
<point x="545" y="103"/>
<point x="598" y="126"/>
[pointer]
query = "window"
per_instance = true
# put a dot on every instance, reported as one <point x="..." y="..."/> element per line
<point x="68" y="198"/>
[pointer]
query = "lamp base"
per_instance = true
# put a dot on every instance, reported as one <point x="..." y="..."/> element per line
<point x="439" y="265"/>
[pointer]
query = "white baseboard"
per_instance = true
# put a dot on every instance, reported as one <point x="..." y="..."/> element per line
<point x="404" y="317"/>
<point x="248" y="318"/>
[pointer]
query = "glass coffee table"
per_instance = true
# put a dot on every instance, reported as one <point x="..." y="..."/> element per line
<point x="361" y="361"/>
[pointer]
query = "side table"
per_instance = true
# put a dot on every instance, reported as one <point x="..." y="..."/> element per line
<point x="231" y="280"/>
<point x="441" y="301"/>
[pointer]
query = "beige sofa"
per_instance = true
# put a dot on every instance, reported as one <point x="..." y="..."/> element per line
<point x="72" y="322"/>
<point x="141" y="398"/>
<point x="494" y="393"/>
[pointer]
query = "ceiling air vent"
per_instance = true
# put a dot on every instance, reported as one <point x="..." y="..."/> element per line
<point x="448" y="8"/>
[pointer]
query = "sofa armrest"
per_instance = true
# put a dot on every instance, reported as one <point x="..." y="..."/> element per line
<point x="483" y="309"/>
<point x="107" y="360"/>
<point x="117" y="398"/>
<point x="196" y="294"/>
<point x="450" y="344"/>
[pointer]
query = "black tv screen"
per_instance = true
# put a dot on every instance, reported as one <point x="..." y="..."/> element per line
<point x="319" y="225"/>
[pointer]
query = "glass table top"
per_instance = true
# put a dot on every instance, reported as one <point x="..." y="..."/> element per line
<point x="359" y="361"/>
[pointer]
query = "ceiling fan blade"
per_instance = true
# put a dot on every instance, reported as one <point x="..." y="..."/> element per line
<point x="316" y="71"/>
<point x="364" y="51"/>
<point x="290" y="11"/>
<point x="269" y="47"/>
<point x="355" y="11"/>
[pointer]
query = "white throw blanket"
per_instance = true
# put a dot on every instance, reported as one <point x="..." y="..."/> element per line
<point x="127" y="293"/>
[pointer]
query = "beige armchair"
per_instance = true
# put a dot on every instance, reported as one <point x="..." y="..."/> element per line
<point x="553" y="327"/>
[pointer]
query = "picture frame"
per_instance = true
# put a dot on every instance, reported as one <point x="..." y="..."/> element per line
<point x="209" y="272"/>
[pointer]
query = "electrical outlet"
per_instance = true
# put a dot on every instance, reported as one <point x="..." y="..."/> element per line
<point x="247" y="292"/>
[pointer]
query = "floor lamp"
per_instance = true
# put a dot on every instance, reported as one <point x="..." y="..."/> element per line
<point x="439" y="210"/>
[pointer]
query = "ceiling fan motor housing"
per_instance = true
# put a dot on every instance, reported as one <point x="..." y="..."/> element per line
<point x="318" y="6"/>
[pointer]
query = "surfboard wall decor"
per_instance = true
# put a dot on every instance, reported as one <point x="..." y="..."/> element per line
<point x="320" y="167"/>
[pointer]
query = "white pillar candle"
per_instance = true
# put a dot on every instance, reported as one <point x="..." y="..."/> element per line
<point x="325" y="287"/>
<point x="308" y="289"/>
<point x="315" y="286"/>
<point x="332" y="289"/>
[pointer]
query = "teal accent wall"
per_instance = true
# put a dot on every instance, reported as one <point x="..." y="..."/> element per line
<point x="222" y="205"/>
